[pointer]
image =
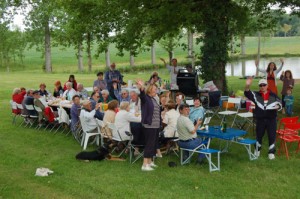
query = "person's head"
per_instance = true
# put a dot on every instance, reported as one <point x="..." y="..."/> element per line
<point x="105" y="94"/>
<point x="124" y="93"/>
<point x="22" y="89"/>
<point x="197" y="102"/>
<point x="100" y="75"/>
<point x="288" y="74"/>
<point x="134" y="95"/>
<point x="71" y="78"/>
<point x="87" y="105"/>
<point x="163" y="99"/>
<point x="42" y="86"/>
<point x="69" y="85"/>
<point x="263" y="85"/>
<point x="36" y="94"/>
<point x="179" y="97"/>
<point x="30" y="92"/>
<point x="271" y="66"/>
<point x="79" y="87"/>
<point x="125" y="106"/>
<point x="96" y="89"/>
<point x="57" y="84"/>
<point x="289" y="91"/>
<point x="184" y="109"/>
<point x="16" y="91"/>
<point x="171" y="105"/>
<point x="151" y="90"/>
<point x="76" y="99"/>
<point x="113" y="66"/>
<point x="189" y="68"/>
<point x="174" y="62"/>
<point x="113" y="105"/>
<point x="155" y="78"/>
<point x="95" y="96"/>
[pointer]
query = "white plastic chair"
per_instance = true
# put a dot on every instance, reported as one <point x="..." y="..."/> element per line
<point x="87" y="134"/>
<point x="234" y="111"/>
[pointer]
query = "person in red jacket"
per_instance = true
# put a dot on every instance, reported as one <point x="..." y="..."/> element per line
<point x="18" y="96"/>
<point x="73" y="81"/>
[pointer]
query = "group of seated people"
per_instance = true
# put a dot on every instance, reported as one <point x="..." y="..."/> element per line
<point x="123" y="107"/>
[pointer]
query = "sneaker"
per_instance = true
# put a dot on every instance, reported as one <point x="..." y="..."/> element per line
<point x="271" y="156"/>
<point x="147" y="168"/>
<point x="257" y="153"/>
<point x="152" y="165"/>
<point x="158" y="155"/>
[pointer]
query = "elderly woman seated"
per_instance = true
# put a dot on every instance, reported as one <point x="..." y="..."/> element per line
<point x="109" y="116"/>
<point x="87" y="116"/>
<point x="170" y="121"/>
<point x="123" y="96"/>
<point x="123" y="119"/>
<point x="69" y="92"/>
<point x="105" y="97"/>
<point x="18" y="96"/>
<point x="135" y="101"/>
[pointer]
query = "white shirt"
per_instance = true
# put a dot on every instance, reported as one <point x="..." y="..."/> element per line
<point x="68" y="94"/>
<point x="87" y="120"/>
<point x="170" y="119"/>
<point x="172" y="74"/>
<point x="122" y="122"/>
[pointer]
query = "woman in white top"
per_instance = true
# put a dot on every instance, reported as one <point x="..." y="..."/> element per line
<point x="170" y="120"/>
<point x="123" y="119"/>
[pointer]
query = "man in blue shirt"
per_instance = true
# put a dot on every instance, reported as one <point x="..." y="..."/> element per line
<point x="113" y="76"/>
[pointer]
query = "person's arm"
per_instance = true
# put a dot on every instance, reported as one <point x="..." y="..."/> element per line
<point x="108" y="81"/>
<point x="257" y="66"/>
<point x="116" y="92"/>
<point x="132" y="118"/>
<point x="164" y="61"/>
<point x="247" y="91"/>
<point x="196" y="126"/>
<point x="140" y="85"/>
<point x="279" y="69"/>
<point x="120" y="78"/>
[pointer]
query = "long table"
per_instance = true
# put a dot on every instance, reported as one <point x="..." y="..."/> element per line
<point x="230" y="136"/>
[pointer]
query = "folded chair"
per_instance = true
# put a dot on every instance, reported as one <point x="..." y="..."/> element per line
<point x="33" y="118"/>
<point x="282" y="122"/>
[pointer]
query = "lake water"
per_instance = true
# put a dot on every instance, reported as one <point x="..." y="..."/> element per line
<point x="247" y="67"/>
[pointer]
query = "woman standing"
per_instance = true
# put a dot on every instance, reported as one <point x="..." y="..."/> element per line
<point x="271" y="74"/>
<point x="151" y="122"/>
<point x="288" y="82"/>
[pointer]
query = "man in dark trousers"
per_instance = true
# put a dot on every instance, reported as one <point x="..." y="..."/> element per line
<point x="267" y="104"/>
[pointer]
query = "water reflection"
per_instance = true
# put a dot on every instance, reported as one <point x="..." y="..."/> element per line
<point x="247" y="67"/>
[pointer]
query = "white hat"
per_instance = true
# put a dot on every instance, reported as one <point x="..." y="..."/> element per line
<point x="262" y="81"/>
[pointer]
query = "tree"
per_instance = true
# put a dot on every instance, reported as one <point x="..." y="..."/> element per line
<point x="286" y="28"/>
<point x="169" y="42"/>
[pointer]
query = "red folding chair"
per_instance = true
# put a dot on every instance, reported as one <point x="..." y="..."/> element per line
<point x="289" y="135"/>
<point x="283" y="122"/>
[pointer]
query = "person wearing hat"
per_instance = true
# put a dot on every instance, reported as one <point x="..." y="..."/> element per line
<point x="267" y="104"/>
<point x="100" y="82"/>
<point x="58" y="90"/>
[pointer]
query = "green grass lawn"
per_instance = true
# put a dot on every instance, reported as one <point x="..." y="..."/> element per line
<point x="64" y="59"/>
<point x="25" y="149"/>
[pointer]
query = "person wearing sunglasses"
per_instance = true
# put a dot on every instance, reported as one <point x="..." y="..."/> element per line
<point x="267" y="104"/>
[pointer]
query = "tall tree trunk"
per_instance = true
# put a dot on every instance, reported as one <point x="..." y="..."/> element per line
<point x="258" y="50"/>
<point x="243" y="45"/>
<point x="131" y="59"/>
<point x="107" y="57"/>
<point x="190" y="43"/>
<point x="243" y="68"/>
<point x="171" y="55"/>
<point x="89" y="53"/>
<point x="153" y="59"/>
<point x="79" y="57"/>
<point x="48" y="64"/>
<point x="215" y="43"/>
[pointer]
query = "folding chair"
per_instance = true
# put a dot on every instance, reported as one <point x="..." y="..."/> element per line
<point x="32" y="118"/>
<point x="133" y="147"/>
<point x="101" y="130"/>
<point x="87" y="134"/>
<point x="289" y="135"/>
<point x="245" y="118"/>
<point x="63" y="118"/>
<point x="211" y="102"/>
<point x="116" y="136"/>
<point x="40" y="111"/>
<point x="227" y="112"/>
<point x="286" y="120"/>
<point x="13" y="106"/>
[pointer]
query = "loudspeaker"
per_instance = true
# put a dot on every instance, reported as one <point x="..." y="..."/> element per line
<point x="187" y="82"/>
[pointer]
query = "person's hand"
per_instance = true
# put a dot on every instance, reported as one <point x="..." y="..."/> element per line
<point x="199" y="121"/>
<point x="256" y="63"/>
<point x="115" y="85"/>
<point x="282" y="73"/>
<point x="140" y="84"/>
<point x="281" y="60"/>
<point x="98" y="105"/>
<point x="249" y="81"/>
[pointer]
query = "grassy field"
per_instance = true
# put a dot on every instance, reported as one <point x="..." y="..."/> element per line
<point x="64" y="59"/>
<point x="24" y="149"/>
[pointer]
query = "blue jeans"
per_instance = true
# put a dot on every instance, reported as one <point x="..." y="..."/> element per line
<point x="191" y="145"/>
<point x="289" y="109"/>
